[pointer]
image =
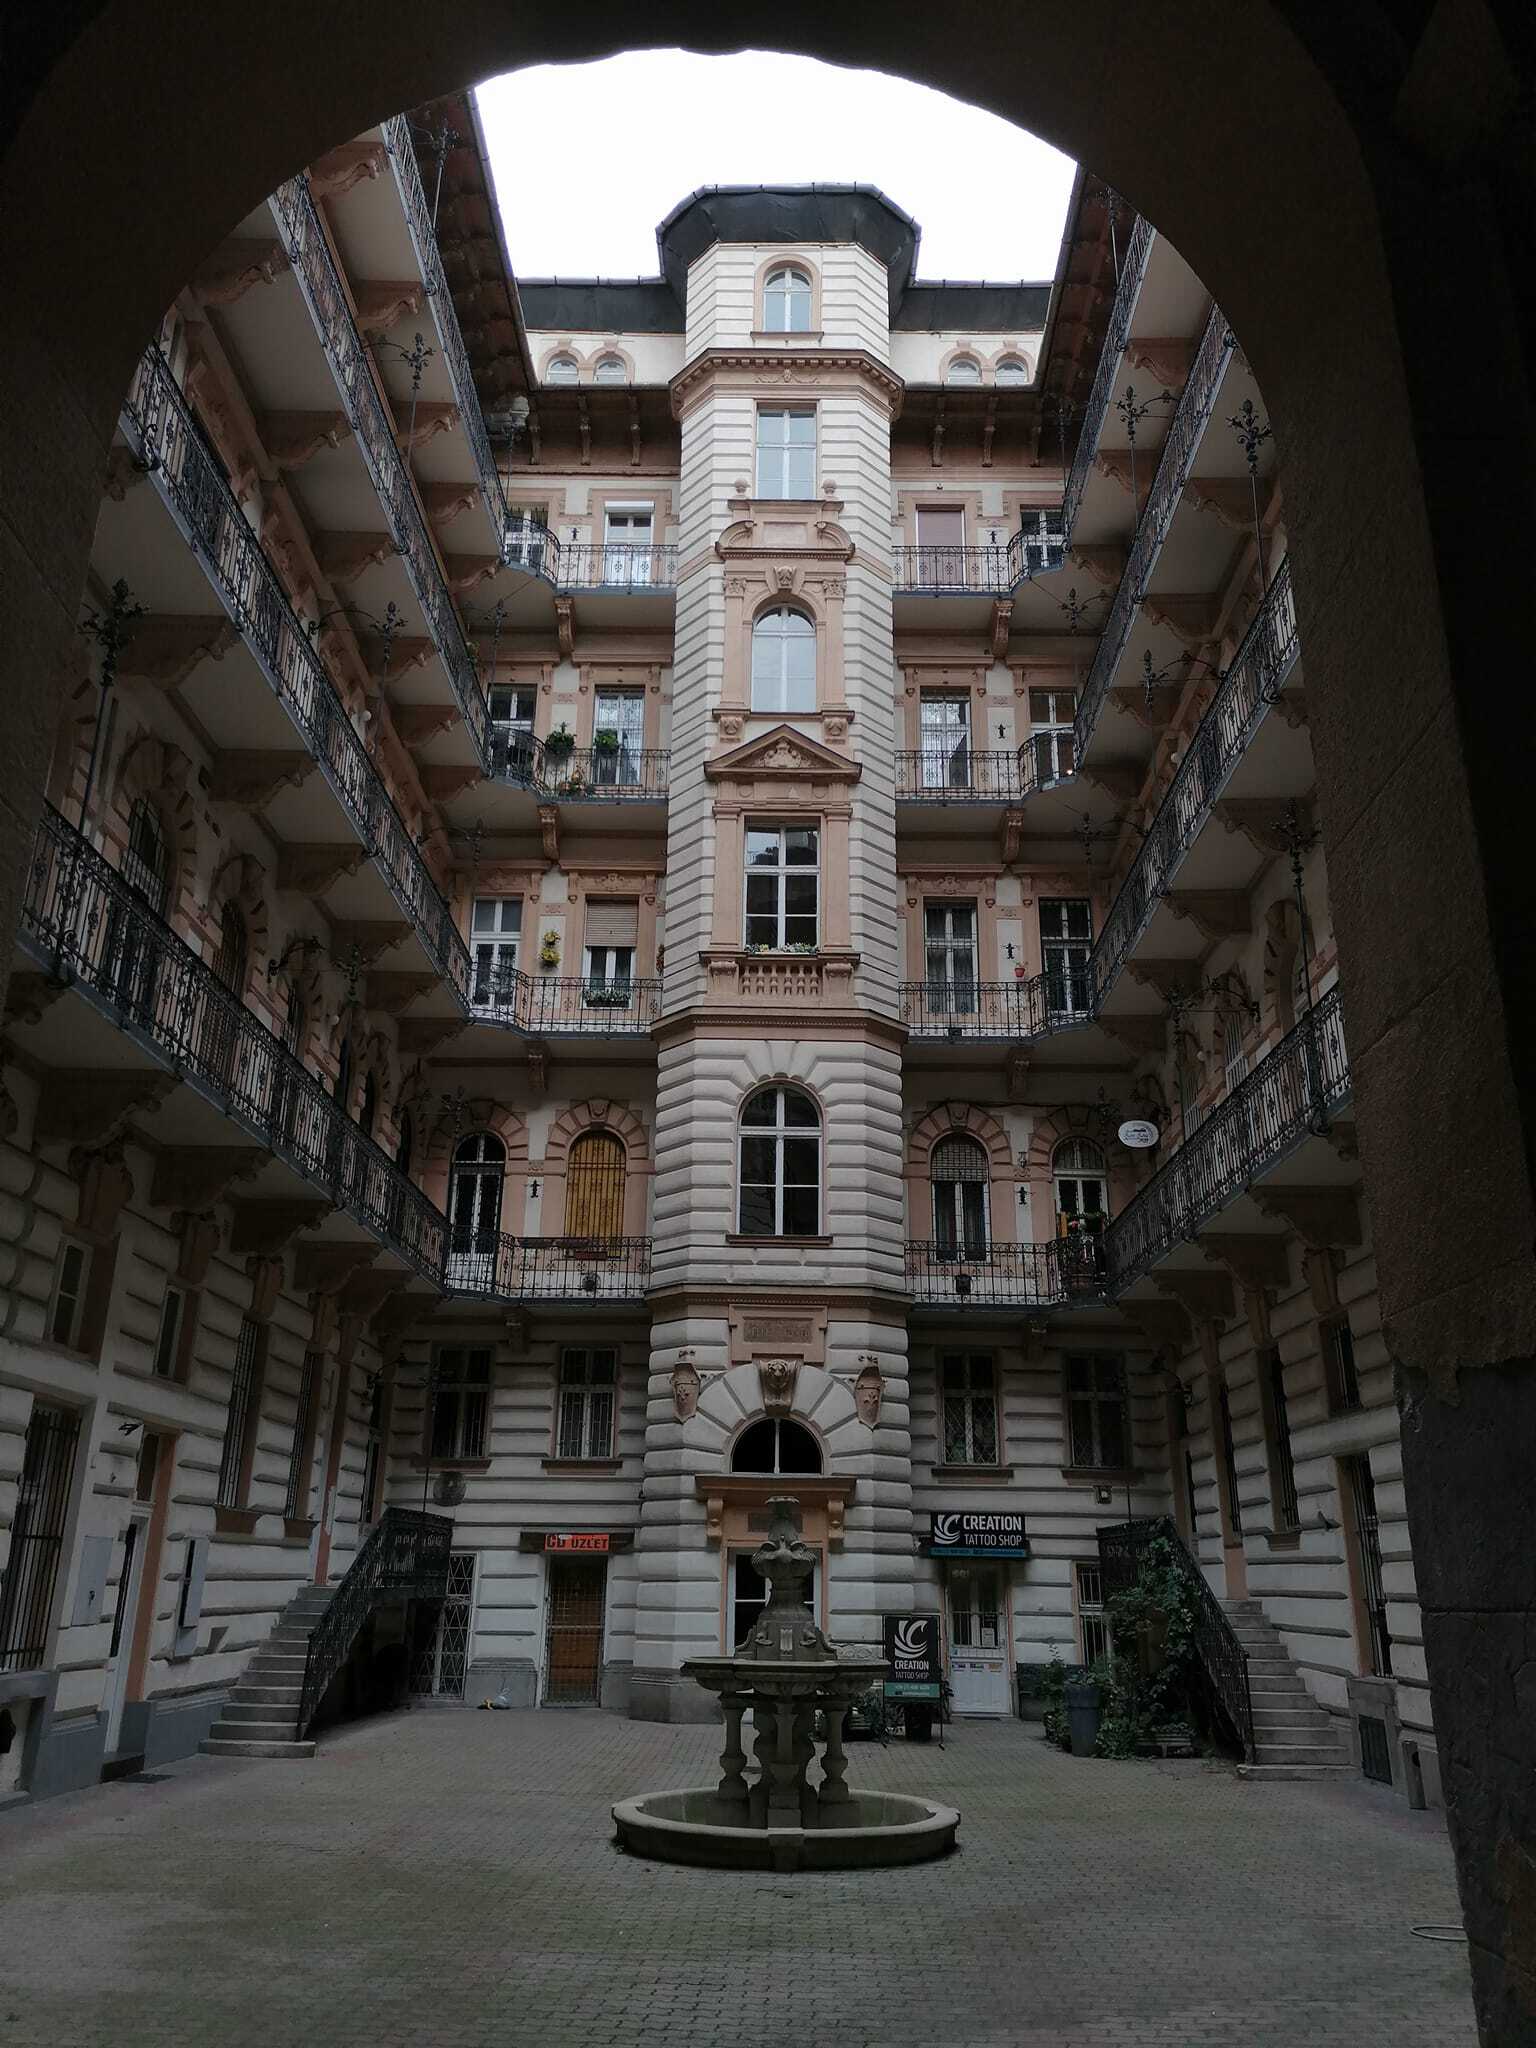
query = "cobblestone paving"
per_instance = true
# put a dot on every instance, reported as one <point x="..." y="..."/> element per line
<point x="449" y="1878"/>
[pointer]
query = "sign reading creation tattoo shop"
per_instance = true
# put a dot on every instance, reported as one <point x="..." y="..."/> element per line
<point x="912" y="1651"/>
<point x="987" y="1533"/>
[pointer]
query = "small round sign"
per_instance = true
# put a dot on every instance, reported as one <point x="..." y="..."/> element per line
<point x="1138" y="1135"/>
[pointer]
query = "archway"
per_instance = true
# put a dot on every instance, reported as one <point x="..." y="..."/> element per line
<point x="1341" y="288"/>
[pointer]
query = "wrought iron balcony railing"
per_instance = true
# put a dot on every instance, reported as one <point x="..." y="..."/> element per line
<point x="956" y="1009"/>
<point x="80" y="920"/>
<point x="996" y="571"/>
<point x="507" y="1268"/>
<point x="1293" y="1091"/>
<point x="567" y="1006"/>
<point x="418" y="216"/>
<point x="950" y="774"/>
<point x="606" y="774"/>
<point x="1175" y="463"/>
<point x="987" y="1274"/>
<point x="1133" y="270"/>
<point x="1257" y="676"/>
<point x="164" y="435"/>
<point x="309" y="252"/>
<point x="616" y="568"/>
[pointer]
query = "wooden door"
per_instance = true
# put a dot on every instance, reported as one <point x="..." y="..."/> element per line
<point x="575" y="1593"/>
<point x="594" y="1188"/>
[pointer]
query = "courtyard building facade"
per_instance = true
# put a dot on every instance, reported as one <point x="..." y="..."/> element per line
<point x="659" y="893"/>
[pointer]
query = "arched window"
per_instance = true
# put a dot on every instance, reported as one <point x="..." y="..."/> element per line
<point x="594" y="1186"/>
<point x="369" y="1108"/>
<point x="774" y="1445"/>
<point x="479" y="1166"/>
<point x="963" y="370"/>
<point x="562" y="370"/>
<point x="783" y="661"/>
<point x="787" y="302"/>
<point x="780" y="1165"/>
<point x="407" y="1144"/>
<point x="1013" y="370"/>
<point x="146" y="862"/>
<point x="611" y="370"/>
<point x="958" y="1170"/>
<point x="1077" y="1170"/>
<point x="229" y="961"/>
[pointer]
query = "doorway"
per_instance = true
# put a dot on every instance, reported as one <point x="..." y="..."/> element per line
<point x="441" y="1631"/>
<point x="747" y="1595"/>
<point x="575" y="1596"/>
<point x="978" y="1639"/>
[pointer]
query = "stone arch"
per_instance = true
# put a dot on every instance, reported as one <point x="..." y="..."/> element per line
<point x="435" y="1148"/>
<point x="732" y="1400"/>
<point x="785" y="259"/>
<point x="599" y="1114"/>
<point x="961" y="1119"/>
<point x="159" y="772"/>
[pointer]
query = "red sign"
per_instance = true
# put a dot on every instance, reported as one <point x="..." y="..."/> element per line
<point x="577" y="1540"/>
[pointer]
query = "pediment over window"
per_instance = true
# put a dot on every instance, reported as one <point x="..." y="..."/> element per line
<point x="773" y="531"/>
<point x="785" y="753"/>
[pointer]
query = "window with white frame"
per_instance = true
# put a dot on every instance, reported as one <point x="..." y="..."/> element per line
<point x="562" y="370"/>
<point x="66" y="1312"/>
<point x="628" y="533"/>
<point x="1013" y="370"/>
<point x="1051" y="733"/>
<point x="1093" y="1643"/>
<point x="776" y="1445"/>
<point x="944" y="739"/>
<point x="968" y="1393"/>
<point x="611" y="370"/>
<point x="783" y="888"/>
<point x="612" y="931"/>
<point x="787" y="301"/>
<point x="949" y="957"/>
<point x="168" y="1338"/>
<point x="1097" y="1419"/>
<point x="458" y="1398"/>
<point x="786" y="454"/>
<point x="1234" y="1053"/>
<point x="495" y="926"/>
<point x="618" y="736"/>
<point x="527" y="531"/>
<point x="963" y="370"/>
<point x="1066" y="942"/>
<point x="479" y="1169"/>
<point x="783" y="661"/>
<point x="512" y="710"/>
<point x="957" y="1169"/>
<point x="588" y="1377"/>
<point x="1077" y="1174"/>
<point x="779" y="1160"/>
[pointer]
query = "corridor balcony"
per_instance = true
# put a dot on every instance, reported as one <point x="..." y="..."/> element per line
<point x="84" y="927"/>
<point x="1133" y="270"/>
<point x="969" y="581"/>
<point x="1003" y="1010"/>
<point x="1006" y="1276"/>
<point x="580" y="1270"/>
<point x="567" y="1006"/>
<point x="964" y="775"/>
<point x="1293" y="1094"/>
<point x="599" y="775"/>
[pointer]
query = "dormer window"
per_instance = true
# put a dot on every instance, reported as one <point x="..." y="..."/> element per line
<point x="561" y="370"/>
<point x="787" y="302"/>
<point x="963" y="370"/>
<point x="611" y="370"/>
<point x="1013" y="370"/>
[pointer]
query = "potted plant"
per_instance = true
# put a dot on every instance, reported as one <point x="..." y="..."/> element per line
<point x="605" y="741"/>
<point x="549" y="949"/>
<point x="608" y="995"/>
<point x="561" y="743"/>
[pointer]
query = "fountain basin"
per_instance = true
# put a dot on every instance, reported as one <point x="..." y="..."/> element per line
<point x="870" y="1830"/>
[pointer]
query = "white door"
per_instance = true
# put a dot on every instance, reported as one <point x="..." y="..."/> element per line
<point x="978" y="1640"/>
<point x="627" y="536"/>
<point x="124" y="1619"/>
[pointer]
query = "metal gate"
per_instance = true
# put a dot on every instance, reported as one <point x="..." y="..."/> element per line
<point x="594" y="1186"/>
<point x="37" y="1538"/>
<point x="573" y="1641"/>
<point x="1362" y="1490"/>
<point x="440" y="1634"/>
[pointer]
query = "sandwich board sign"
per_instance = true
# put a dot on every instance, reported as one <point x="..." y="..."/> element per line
<point x="912" y="1651"/>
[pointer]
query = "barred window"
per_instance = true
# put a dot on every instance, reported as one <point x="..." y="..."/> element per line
<point x="1096" y="1407"/>
<point x="1092" y="1628"/>
<point x="242" y="1414"/>
<point x="968" y="1384"/>
<point x="588" y="1378"/>
<point x="460" y="1393"/>
<point x="958" y="1169"/>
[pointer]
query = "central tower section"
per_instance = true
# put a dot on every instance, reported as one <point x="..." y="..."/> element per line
<point x="779" y="1360"/>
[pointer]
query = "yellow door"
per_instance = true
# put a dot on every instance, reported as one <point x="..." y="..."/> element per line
<point x="594" y="1187"/>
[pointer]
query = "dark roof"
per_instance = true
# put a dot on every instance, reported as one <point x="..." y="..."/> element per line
<point x="592" y="305"/>
<point x="982" y="308"/>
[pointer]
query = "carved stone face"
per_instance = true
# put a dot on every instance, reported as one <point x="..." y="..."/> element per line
<point x="685" y="1390"/>
<point x="776" y="1377"/>
<point x="867" y="1390"/>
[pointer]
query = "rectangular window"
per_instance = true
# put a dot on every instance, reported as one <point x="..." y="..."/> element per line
<point x="1066" y="940"/>
<point x="612" y="931"/>
<point x="1051" y="715"/>
<point x="496" y="923"/>
<point x="783" y="892"/>
<point x="968" y="1383"/>
<point x="67" y="1310"/>
<point x="628" y="531"/>
<point x="460" y="1393"/>
<point x="1284" y="1505"/>
<point x="168" y="1341"/>
<point x="1363" y="1529"/>
<point x="527" y="530"/>
<point x="786" y="454"/>
<point x="949" y="957"/>
<point x="512" y="713"/>
<point x="585" y="1422"/>
<point x="1098" y="1424"/>
<point x="148" y="1467"/>
<point x="618" y="737"/>
<point x="1092" y="1629"/>
<point x="302" y="1455"/>
<point x="241" y="1416"/>
<point x="944" y="751"/>
<point x="1229" y="1463"/>
<point x="30" y="1578"/>
<point x="1339" y="1366"/>
<point x="941" y="560"/>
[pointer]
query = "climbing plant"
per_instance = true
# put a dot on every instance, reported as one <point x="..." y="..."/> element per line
<point x="1145" y="1682"/>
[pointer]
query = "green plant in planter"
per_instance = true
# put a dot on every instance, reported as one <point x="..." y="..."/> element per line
<point x="1053" y="1688"/>
<point x="1146" y="1678"/>
<point x="560" y="744"/>
<point x="605" y="742"/>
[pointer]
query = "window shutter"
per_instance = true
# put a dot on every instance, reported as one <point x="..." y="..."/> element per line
<point x="612" y="924"/>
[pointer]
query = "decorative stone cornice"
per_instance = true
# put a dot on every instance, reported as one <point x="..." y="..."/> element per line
<point x="787" y="370"/>
<point x="418" y="1037"/>
<point x="381" y="303"/>
<point x="1217" y="913"/>
<point x="1264" y="821"/>
<point x="750" y="539"/>
<point x="345" y="166"/>
<point x="104" y="1184"/>
<point x="326" y="1268"/>
<point x="292" y="438"/>
<point x="444" y="502"/>
<point x="441" y="781"/>
<point x="372" y="936"/>
<point x="1191" y="616"/>
<point x="1255" y="1258"/>
<point x="422" y="421"/>
<point x="1169" y="978"/>
<point x="391" y="993"/>
<point x="1104" y="562"/>
<point x="1206" y="1297"/>
<point x="365" y="1293"/>
<point x="29" y="995"/>
<point x="164" y="648"/>
<point x="1139" y="1035"/>
<point x="1163" y="1323"/>
<point x="464" y="572"/>
<point x="236" y="265"/>
<point x="343" y="557"/>
<point x="784" y="755"/>
<point x="1153" y="708"/>
<point x="1164" y="357"/>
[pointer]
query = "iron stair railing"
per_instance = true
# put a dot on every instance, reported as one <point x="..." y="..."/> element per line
<point x="404" y="1557"/>
<point x="1221" y="1657"/>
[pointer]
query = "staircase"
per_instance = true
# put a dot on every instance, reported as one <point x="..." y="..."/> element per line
<point x="261" y="1717"/>
<point x="1293" y="1737"/>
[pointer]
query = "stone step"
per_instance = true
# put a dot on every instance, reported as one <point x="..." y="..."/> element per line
<point x="259" y="1710"/>
<point x="249" y="1694"/>
<point x="1279" y="1684"/>
<point x="1276" y="1774"/>
<point x="277" y="1660"/>
<point x="1294" y="1714"/>
<point x="1298" y="1753"/>
<point x="218" y="1746"/>
<point x="265" y="1729"/>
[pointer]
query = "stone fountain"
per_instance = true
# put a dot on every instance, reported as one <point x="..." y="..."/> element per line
<point x="786" y="1675"/>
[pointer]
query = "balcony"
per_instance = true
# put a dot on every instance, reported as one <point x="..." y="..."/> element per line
<point x="995" y="571"/>
<point x="604" y="775"/>
<point x="964" y="775"/>
<point x="614" y="568"/>
<point x="1010" y="1276"/>
<point x="81" y="923"/>
<point x="574" y="1269"/>
<point x="565" y="1006"/>
<point x="1291" y="1095"/>
<point x="1133" y="271"/>
<point x="1002" y="1010"/>
<point x="1175" y="464"/>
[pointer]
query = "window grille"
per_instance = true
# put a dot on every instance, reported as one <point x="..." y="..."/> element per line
<point x="1375" y="1751"/>
<point x="1377" y="1646"/>
<point x="594" y="1186"/>
<point x="302" y="1455"/>
<point x="587" y="1382"/>
<point x="1096" y="1404"/>
<point x="240" y="1416"/>
<point x="1287" y="1507"/>
<point x="1092" y="1627"/>
<point x="1339" y="1363"/>
<point x="958" y="1171"/>
<point x="1229" y="1461"/>
<point x="969" y="1385"/>
<point x="459" y="1395"/>
<point x="30" y="1578"/>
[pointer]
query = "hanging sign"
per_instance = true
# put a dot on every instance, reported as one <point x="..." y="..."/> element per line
<point x="990" y="1533"/>
<point x="912" y="1651"/>
<point x="1138" y="1135"/>
<point x="576" y="1539"/>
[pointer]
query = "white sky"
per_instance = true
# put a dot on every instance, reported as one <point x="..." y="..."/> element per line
<point x="991" y="200"/>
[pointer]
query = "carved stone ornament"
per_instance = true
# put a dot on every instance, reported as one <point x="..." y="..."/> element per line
<point x="867" y="1391"/>
<point x="776" y="1377"/>
<point x="685" y="1390"/>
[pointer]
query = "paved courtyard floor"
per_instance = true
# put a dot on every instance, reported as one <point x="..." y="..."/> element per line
<point x="449" y="1878"/>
